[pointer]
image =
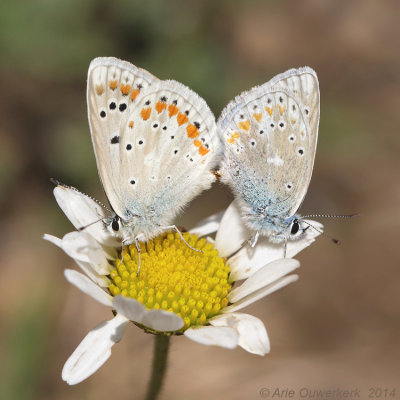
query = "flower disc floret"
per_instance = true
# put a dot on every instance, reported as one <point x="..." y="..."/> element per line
<point x="174" y="277"/>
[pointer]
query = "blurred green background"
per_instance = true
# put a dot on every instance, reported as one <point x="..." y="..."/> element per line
<point x="339" y="326"/>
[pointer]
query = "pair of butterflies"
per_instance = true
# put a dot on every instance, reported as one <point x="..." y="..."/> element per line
<point x="157" y="143"/>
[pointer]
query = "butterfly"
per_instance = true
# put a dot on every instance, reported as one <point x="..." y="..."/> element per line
<point x="155" y="144"/>
<point x="269" y="136"/>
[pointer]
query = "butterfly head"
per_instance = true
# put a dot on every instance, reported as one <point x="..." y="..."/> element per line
<point x="281" y="230"/>
<point x="131" y="228"/>
<point x="276" y="227"/>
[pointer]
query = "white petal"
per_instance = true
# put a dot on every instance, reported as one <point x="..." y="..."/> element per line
<point x="87" y="286"/>
<point x="249" y="260"/>
<point x="52" y="239"/>
<point x="94" y="350"/>
<point x="259" y="294"/>
<point x="81" y="210"/>
<point x="214" y="336"/>
<point x="158" y="320"/>
<point x="253" y="336"/>
<point x="208" y="225"/>
<point x="88" y="269"/>
<point x="232" y="232"/>
<point x="263" y="277"/>
<point x="130" y="308"/>
<point x="83" y="247"/>
<point x="162" y="321"/>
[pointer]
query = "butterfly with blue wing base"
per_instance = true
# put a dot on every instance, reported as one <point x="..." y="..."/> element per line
<point x="155" y="143"/>
<point x="269" y="137"/>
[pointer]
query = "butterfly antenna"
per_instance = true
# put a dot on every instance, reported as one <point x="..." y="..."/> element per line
<point x="330" y="216"/>
<point x="58" y="183"/>
<point x="336" y="241"/>
<point x="81" y="228"/>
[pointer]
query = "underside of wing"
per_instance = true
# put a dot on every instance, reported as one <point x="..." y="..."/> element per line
<point x="270" y="144"/>
<point x="112" y="89"/>
<point x="303" y="83"/>
<point x="166" y="148"/>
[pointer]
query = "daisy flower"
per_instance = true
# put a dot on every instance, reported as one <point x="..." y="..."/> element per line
<point x="178" y="291"/>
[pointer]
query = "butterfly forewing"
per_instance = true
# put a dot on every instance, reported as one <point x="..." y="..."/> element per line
<point x="270" y="144"/>
<point x="112" y="89"/>
<point x="167" y="146"/>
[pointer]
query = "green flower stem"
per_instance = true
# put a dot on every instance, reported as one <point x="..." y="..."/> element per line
<point x="159" y="366"/>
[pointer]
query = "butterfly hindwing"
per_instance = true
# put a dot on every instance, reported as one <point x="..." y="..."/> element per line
<point x="112" y="89"/>
<point x="167" y="146"/>
<point x="303" y="83"/>
<point x="270" y="144"/>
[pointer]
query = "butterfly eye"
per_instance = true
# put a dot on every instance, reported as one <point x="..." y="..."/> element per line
<point x="115" y="224"/>
<point x="295" y="227"/>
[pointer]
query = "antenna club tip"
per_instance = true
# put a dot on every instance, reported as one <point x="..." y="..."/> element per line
<point x="54" y="181"/>
<point x="336" y="241"/>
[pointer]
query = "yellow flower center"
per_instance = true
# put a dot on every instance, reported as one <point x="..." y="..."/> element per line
<point x="175" y="278"/>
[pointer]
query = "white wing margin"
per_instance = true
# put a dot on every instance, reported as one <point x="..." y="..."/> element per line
<point x="112" y="88"/>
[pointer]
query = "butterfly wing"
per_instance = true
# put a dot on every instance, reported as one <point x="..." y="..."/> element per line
<point x="269" y="135"/>
<point x="167" y="145"/>
<point x="303" y="83"/>
<point x="112" y="88"/>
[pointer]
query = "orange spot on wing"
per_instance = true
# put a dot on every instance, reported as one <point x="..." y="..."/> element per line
<point x="160" y="106"/>
<point x="293" y="121"/>
<point x="173" y="109"/>
<point x="257" y="117"/>
<point x="182" y="119"/>
<point x="269" y="110"/>
<point x="197" y="143"/>
<point x="135" y="92"/>
<point x="244" y="125"/>
<point x="113" y="85"/>
<point x="125" y="89"/>
<point x="145" y="113"/>
<point x="192" y="131"/>
<point x="99" y="90"/>
<point x="281" y="109"/>
<point x="231" y="139"/>
<point x="130" y="124"/>
<point x="203" y="151"/>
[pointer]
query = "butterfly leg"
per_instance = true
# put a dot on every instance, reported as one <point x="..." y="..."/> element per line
<point x="139" y="252"/>
<point x="253" y="240"/>
<point x="122" y="254"/>
<point x="175" y="228"/>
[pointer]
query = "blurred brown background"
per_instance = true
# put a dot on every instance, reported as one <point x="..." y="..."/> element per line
<point x="338" y="327"/>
